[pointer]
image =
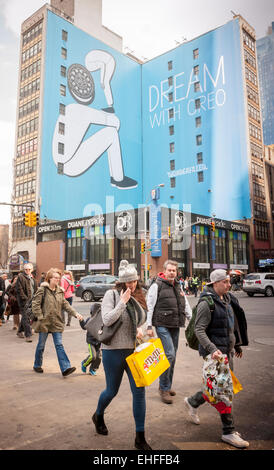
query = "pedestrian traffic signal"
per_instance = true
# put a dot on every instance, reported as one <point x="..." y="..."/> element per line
<point x="143" y="247"/>
<point x="27" y="219"/>
<point x="213" y="226"/>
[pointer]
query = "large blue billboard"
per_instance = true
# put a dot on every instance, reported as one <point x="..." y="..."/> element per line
<point x="91" y="138"/>
<point x="194" y="125"/>
<point x="113" y="128"/>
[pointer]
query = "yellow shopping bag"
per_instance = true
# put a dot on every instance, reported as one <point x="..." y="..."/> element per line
<point x="149" y="363"/>
<point x="237" y="387"/>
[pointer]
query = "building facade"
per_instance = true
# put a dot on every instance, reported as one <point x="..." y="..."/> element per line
<point x="98" y="132"/>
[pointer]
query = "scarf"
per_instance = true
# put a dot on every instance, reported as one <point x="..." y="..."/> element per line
<point x="132" y="314"/>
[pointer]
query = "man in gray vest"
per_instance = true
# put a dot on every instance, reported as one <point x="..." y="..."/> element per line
<point x="166" y="311"/>
<point x="222" y="331"/>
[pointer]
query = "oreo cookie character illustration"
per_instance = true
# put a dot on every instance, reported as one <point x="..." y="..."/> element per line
<point x="72" y="153"/>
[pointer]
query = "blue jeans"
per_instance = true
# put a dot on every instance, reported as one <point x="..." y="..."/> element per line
<point x="170" y="340"/>
<point x="61" y="354"/>
<point x="114" y="361"/>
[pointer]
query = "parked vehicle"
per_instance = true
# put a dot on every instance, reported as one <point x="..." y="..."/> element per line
<point x="259" y="283"/>
<point x="93" y="287"/>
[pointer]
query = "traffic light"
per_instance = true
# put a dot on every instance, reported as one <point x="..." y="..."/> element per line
<point x="27" y="219"/>
<point x="213" y="226"/>
<point x="169" y="232"/>
<point x="143" y="247"/>
<point x="34" y="218"/>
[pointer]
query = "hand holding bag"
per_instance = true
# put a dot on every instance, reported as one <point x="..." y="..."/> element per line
<point x="148" y="362"/>
<point x="96" y="327"/>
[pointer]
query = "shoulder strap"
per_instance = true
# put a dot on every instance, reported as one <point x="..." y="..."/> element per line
<point x="210" y="302"/>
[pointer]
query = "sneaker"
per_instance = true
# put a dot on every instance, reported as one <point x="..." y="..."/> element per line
<point x="20" y="335"/>
<point x="92" y="372"/>
<point x="28" y="339"/>
<point x="84" y="369"/>
<point x="126" y="183"/>
<point x="38" y="369"/>
<point x="193" y="412"/>
<point x="165" y="396"/>
<point x="68" y="371"/>
<point x="235" y="440"/>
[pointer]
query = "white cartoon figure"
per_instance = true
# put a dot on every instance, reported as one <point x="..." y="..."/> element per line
<point x="71" y="153"/>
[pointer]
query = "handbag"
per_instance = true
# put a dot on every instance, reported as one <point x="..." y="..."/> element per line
<point x="95" y="326"/>
<point x="148" y="362"/>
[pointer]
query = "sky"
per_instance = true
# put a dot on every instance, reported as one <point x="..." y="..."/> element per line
<point x="148" y="28"/>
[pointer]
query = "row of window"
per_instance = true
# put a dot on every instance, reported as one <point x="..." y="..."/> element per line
<point x="249" y="58"/>
<point x="248" y="40"/>
<point x="252" y="94"/>
<point x="261" y="230"/>
<point x="27" y="187"/>
<point x="27" y="147"/>
<point x="258" y="190"/>
<point x="25" y="167"/>
<point x="256" y="151"/>
<point x="19" y="230"/>
<point x="31" y="70"/>
<point x="29" y="107"/>
<point x="259" y="210"/>
<point x="255" y="131"/>
<point x="251" y="76"/>
<point x="32" y="33"/>
<point x="32" y="51"/>
<point x="28" y="127"/>
<point x="195" y="53"/>
<point x="98" y="251"/>
<point x="254" y="113"/>
<point x="29" y="89"/>
<point x="257" y="170"/>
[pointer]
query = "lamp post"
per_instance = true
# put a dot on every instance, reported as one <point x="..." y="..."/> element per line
<point x="161" y="185"/>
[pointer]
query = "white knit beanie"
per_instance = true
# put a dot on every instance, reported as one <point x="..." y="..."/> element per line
<point x="127" y="272"/>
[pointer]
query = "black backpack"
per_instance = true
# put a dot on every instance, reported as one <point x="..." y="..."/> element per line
<point x="191" y="338"/>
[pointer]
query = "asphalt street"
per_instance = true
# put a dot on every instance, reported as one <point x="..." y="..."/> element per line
<point x="49" y="412"/>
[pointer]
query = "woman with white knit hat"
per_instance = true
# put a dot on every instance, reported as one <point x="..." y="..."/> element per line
<point x="127" y="302"/>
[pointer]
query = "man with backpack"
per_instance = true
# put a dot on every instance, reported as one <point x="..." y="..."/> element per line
<point x="166" y="304"/>
<point x="26" y="286"/>
<point x="221" y="329"/>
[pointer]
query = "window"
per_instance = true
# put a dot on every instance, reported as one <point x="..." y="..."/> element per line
<point x="63" y="71"/>
<point x="62" y="109"/>
<point x="63" y="53"/>
<point x="170" y="65"/>
<point x="171" y="147"/>
<point x="197" y="103"/>
<point x="200" y="157"/>
<point x="170" y="81"/>
<point x="172" y="164"/>
<point x="64" y="35"/>
<point x="199" y="139"/>
<point x="198" y="121"/>
<point x="172" y="182"/>
<point x="171" y="130"/>
<point x="196" y="70"/>
<point x="196" y="86"/>
<point x="61" y="129"/>
<point x="170" y="97"/>
<point x="170" y="113"/>
<point x="63" y="90"/>
<point x="195" y="53"/>
<point x="61" y="148"/>
<point x="200" y="176"/>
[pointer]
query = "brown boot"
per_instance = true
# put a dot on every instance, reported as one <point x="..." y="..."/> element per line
<point x="165" y="396"/>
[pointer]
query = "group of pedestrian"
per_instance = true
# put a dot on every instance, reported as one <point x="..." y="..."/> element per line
<point x="190" y="285"/>
<point x="165" y="310"/>
<point x="162" y="311"/>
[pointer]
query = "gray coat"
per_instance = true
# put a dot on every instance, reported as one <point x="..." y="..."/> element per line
<point x="112" y="309"/>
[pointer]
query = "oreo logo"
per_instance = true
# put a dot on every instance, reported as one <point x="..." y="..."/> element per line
<point x="81" y="84"/>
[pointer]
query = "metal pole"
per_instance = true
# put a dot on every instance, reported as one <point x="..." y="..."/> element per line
<point x="145" y="230"/>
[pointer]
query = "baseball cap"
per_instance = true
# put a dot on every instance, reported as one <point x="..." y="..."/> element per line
<point x="217" y="275"/>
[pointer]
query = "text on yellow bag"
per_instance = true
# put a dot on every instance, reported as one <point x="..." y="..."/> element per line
<point x="149" y="363"/>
